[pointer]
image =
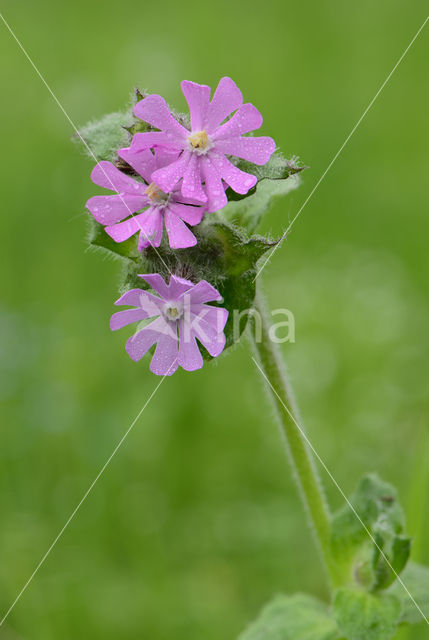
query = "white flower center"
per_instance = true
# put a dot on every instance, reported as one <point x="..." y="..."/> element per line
<point x="156" y="196"/>
<point x="199" y="142"/>
<point x="173" y="311"/>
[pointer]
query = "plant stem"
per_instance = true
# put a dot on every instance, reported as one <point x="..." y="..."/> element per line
<point x="310" y="488"/>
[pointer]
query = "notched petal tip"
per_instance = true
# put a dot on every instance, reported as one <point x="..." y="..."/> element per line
<point x="189" y="83"/>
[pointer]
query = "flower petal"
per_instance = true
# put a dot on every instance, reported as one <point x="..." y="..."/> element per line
<point x="152" y="305"/>
<point x="178" y="286"/>
<point x="149" y="139"/>
<point x="111" y="209"/>
<point x="151" y="229"/>
<point x="157" y="283"/>
<point x="123" y="318"/>
<point x="257" y="150"/>
<point x="246" y="119"/>
<point x="213" y="185"/>
<point x="124" y="230"/>
<point x="227" y="98"/>
<point x="169" y="176"/>
<point x="191" y="185"/>
<point x="179" y="235"/>
<point x="198" y="98"/>
<point x="206" y="333"/>
<point x="165" y="358"/>
<point x="190" y="357"/>
<point x="141" y="160"/>
<point x="142" y="340"/>
<point x="203" y="292"/>
<point x="165" y="156"/>
<point x="190" y="214"/>
<point x="177" y="196"/>
<point x="155" y="111"/>
<point x="215" y="316"/>
<point x="106" y="175"/>
<point x="238" y="180"/>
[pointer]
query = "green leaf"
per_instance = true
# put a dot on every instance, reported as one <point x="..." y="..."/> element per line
<point x="247" y="212"/>
<point x="365" y="616"/>
<point x="275" y="178"/>
<point x="380" y="515"/>
<point x="297" y="617"/>
<point x="98" y="238"/>
<point x="223" y="256"/>
<point x="277" y="167"/>
<point x="416" y="579"/>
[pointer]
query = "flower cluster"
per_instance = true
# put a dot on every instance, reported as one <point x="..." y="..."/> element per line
<point x="180" y="175"/>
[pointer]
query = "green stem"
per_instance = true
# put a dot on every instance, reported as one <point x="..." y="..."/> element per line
<point x="271" y="364"/>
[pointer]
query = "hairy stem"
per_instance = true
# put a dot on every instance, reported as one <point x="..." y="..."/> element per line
<point x="310" y="488"/>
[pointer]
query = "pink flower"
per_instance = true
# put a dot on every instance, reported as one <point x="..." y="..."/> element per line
<point x="181" y="316"/>
<point x="203" y="162"/>
<point x="170" y="208"/>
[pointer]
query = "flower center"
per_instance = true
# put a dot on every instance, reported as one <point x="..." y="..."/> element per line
<point x="172" y="311"/>
<point x="155" y="195"/>
<point x="199" y="142"/>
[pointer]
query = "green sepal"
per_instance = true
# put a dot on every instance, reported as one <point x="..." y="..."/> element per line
<point x="296" y="617"/>
<point x="365" y="616"/>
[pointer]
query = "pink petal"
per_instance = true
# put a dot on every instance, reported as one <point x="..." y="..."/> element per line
<point x="165" y="156"/>
<point x="190" y="357"/>
<point x="246" y="119"/>
<point x="191" y="215"/>
<point x="257" y="150"/>
<point x="122" y="318"/>
<point x="149" y="139"/>
<point x="151" y="229"/>
<point x="177" y="196"/>
<point x="198" y="97"/>
<point x="152" y="305"/>
<point x="155" y="111"/>
<point x="227" y="98"/>
<point x="111" y="209"/>
<point x="141" y="342"/>
<point x="124" y="230"/>
<point x="165" y="358"/>
<point x="206" y="333"/>
<point x="167" y="177"/>
<point x="141" y="160"/>
<point x="203" y="292"/>
<point x="178" y="286"/>
<point x="157" y="283"/>
<point x="238" y="180"/>
<point x="191" y="185"/>
<point x="213" y="185"/>
<point x="179" y="235"/>
<point x="214" y="316"/>
<point x="105" y="174"/>
<point x="131" y="297"/>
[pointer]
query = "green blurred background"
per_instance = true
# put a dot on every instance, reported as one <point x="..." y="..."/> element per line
<point x="196" y="523"/>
